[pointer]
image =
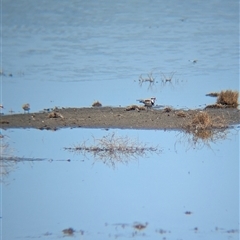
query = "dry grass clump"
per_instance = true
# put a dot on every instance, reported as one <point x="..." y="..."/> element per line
<point x="96" y="104"/>
<point x="228" y="98"/>
<point x="135" y="107"/>
<point x="167" y="109"/>
<point x="181" y="114"/>
<point x="204" y="129"/>
<point x="201" y="120"/>
<point x="225" y="99"/>
<point x="112" y="149"/>
<point x="55" y="115"/>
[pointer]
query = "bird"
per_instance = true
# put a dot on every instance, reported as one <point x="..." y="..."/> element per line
<point x="1" y="107"/>
<point x="148" y="102"/>
<point x="26" y="107"/>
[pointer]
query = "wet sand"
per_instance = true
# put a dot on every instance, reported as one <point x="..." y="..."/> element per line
<point x="110" y="117"/>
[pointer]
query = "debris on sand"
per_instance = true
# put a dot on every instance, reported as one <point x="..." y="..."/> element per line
<point x="181" y="114"/>
<point x="55" y="115"/>
<point x="96" y="104"/>
<point x="135" y="107"/>
<point x="167" y="109"/>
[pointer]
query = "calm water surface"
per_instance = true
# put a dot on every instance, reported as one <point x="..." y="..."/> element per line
<point x="179" y="193"/>
<point x="71" y="53"/>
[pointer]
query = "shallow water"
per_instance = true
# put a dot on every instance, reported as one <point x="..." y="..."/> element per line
<point x="72" y="53"/>
<point x="178" y="193"/>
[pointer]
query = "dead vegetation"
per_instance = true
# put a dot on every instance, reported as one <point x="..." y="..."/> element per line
<point x="204" y="129"/>
<point x="167" y="109"/>
<point x="7" y="163"/>
<point x="96" y="104"/>
<point x="55" y="115"/>
<point x="202" y="121"/>
<point x="225" y="99"/>
<point x="181" y="114"/>
<point x="228" y="98"/>
<point x="167" y="78"/>
<point x="112" y="149"/>
<point x="135" y="107"/>
<point x="150" y="79"/>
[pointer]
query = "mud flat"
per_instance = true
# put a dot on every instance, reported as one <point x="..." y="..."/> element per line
<point x="111" y="117"/>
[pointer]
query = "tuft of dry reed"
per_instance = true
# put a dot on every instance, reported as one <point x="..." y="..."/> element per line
<point x="204" y="129"/>
<point x="228" y="98"/>
<point x="201" y="120"/>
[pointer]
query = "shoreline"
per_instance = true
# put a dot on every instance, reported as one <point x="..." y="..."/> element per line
<point x="114" y="117"/>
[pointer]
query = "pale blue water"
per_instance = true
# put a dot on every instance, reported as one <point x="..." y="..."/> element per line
<point x="71" y="53"/>
<point x="48" y="196"/>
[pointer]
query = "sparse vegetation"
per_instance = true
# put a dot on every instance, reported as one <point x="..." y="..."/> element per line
<point x="112" y="149"/>
<point x="167" y="78"/>
<point x="96" y="104"/>
<point x="225" y="99"/>
<point x="7" y="163"/>
<point x="181" y="114"/>
<point x="228" y="98"/>
<point x="149" y="78"/>
<point x="204" y="129"/>
<point x="202" y="121"/>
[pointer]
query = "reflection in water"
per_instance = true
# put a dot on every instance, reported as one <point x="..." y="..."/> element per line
<point x="140" y="226"/>
<point x="165" y="79"/>
<point x="68" y="231"/>
<point x="201" y="138"/>
<point x="202" y="130"/>
<point x="112" y="149"/>
<point x="7" y="160"/>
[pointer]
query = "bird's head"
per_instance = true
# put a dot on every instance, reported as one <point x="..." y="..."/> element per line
<point x="153" y="99"/>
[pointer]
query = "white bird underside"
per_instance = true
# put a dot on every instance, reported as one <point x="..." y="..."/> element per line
<point x="147" y="102"/>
